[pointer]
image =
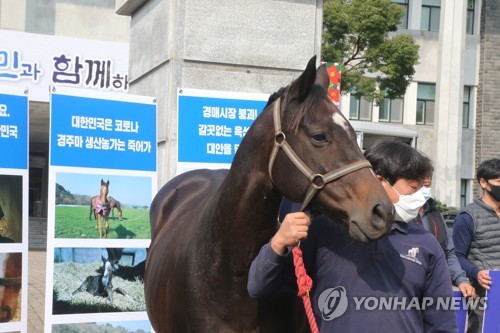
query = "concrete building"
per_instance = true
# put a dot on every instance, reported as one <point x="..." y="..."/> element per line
<point x="440" y="103"/>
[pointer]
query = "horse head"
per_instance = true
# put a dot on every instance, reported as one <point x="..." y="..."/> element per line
<point x="104" y="188"/>
<point x="316" y="159"/>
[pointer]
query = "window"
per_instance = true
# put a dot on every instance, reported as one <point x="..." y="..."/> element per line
<point x="463" y="192"/>
<point x="431" y="11"/>
<point x="466" y="108"/>
<point x="360" y="108"/>
<point x="404" y="20"/>
<point x="469" y="28"/>
<point x="426" y="95"/>
<point x="391" y="110"/>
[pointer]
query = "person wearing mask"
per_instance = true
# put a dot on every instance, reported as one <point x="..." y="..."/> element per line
<point x="429" y="217"/>
<point x="476" y="234"/>
<point x="387" y="285"/>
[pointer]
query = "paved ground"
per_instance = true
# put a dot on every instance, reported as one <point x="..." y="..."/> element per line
<point x="36" y="291"/>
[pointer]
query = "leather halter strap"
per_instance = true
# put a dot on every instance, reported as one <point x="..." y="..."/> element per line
<point x="318" y="181"/>
<point x="10" y="282"/>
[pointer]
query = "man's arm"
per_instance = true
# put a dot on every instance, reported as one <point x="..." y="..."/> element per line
<point x="270" y="274"/>
<point x="463" y="231"/>
<point x="458" y="275"/>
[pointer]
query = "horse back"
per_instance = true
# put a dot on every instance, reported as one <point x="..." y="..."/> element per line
<point x="179" y="200"/>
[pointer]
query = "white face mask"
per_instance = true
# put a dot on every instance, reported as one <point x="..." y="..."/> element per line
<point x="426" y="192"/>
<point x="408" y="205"/>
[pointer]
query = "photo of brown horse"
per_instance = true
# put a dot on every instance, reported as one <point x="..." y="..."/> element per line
<point x="10" y="282"/>
<point x="11" y="203"/>
<point x="102" y="209"/>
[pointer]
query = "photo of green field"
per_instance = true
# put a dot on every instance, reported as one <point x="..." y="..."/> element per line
<point x="127" y="201"/>
<point x="74" y="222"/>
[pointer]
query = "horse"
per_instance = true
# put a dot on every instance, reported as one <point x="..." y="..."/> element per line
<point x="113" y="203"/>
<point x="11" y="285"/>
<point x="102" y="284"/>
<point x="208" y="225"/>
<point x="102" y="209"/>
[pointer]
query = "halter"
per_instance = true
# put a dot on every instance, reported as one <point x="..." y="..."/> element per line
<point x="10" y="282"/>
<point x="318" y="181"/>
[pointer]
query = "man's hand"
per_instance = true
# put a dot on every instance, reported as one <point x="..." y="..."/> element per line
<point x="467" y="290"/>
<point x="293" y="228"/>
<point x="484" y="279"/>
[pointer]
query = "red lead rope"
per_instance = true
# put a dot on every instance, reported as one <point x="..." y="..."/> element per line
<point x="304" y="283"/>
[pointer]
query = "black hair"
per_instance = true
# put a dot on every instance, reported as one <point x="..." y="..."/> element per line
<point x="394" y="160"/>
<point x="489" y="169"/>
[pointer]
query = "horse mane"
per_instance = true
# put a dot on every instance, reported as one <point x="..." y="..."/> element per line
<point x="306" y="108"/>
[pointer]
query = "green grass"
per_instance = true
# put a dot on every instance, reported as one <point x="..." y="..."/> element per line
<point x="73" y="222"/>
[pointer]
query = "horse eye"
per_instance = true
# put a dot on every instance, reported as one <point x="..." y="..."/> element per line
<point x="319" y="138"/>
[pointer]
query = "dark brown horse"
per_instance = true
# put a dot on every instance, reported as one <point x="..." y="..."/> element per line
<point x="102" y="209"/>
<point x="10" y="282"/>
<point x="207" y="226"/>
<point x="113" y="203"/>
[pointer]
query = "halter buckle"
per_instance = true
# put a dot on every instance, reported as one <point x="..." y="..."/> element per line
<point x="317" y="181"/>
<point x="279" y="138"/>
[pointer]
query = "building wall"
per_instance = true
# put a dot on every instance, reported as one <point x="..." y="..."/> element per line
<point x="227" y="45"/>
<point x="488" y="95"/>
<point x="90" y="19"/>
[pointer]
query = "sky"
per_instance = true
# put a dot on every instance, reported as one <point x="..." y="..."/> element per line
<point x="127" y="190"/>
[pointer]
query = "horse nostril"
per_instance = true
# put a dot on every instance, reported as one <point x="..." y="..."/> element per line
<point x="5" y="314"/>
<point x="382" y="217"/>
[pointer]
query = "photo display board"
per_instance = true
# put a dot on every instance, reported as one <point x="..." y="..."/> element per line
<point x="211" y="125"/>
<point x="102" y="179"/>
<point x="14" y="209"/>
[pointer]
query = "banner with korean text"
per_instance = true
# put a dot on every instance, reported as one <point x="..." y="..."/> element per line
<point x="14" y="209"/>
<point x="211" y="125"/>
<point x="102" y="179"/>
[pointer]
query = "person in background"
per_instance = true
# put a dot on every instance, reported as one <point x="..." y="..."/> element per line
<point x="429" y="217"/>
<point x="476" y="234"/>
<point x="407" y="265"/>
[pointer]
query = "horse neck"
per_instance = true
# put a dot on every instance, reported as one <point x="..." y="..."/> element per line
<point x="247" y="207"/>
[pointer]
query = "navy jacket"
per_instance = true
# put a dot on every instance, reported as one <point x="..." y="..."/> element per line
<point x="389" y="285"/>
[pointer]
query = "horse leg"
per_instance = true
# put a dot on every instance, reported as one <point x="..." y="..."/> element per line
<point x="107" y="226"/>
<point x="99" y="225"/>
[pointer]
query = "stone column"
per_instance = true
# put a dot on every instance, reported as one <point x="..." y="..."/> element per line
<point x="449" y="105"/>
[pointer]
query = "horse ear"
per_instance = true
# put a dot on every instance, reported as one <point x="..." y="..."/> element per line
<point x="303" y="85"/>
<point x="322" y="78"/>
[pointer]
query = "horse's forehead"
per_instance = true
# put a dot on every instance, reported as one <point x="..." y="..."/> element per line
<point x="340" y="120"/>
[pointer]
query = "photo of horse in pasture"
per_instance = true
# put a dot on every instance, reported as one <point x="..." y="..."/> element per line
<point x="10" y="284"/>
<point x="91" y="280"/>
<point x="102" y="206"/>
<point x="11" y="205"/>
